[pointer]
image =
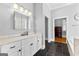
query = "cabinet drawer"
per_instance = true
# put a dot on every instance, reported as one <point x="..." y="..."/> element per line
<point x="16" y="53"/>
<point x="11" y="47"/>
<point x="27" y="41"/>
<point x="26" y="51"/>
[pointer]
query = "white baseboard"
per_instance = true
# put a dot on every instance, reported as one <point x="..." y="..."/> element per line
<point x="43" y="47"/>
<point x="70" y="50"/>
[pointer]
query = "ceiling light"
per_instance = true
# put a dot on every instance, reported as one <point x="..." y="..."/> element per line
<point x="16" y="6"/>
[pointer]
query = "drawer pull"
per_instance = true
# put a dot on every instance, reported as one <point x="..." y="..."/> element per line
<point x="19" y="50"/>
<point x="12" y="47"/>
<point x="38" y="40"/>
<point x="31" y="44"/>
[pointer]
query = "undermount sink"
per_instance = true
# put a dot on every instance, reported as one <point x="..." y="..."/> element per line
<point x="24" y="34"/>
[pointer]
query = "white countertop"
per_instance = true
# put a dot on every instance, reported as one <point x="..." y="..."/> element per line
<point x="7" y="39"/>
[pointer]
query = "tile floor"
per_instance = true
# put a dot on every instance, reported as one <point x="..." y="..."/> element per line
<point x="54" y="49"/>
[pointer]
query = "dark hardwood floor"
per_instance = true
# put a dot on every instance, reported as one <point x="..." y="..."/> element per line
<point x="54" y="49"/>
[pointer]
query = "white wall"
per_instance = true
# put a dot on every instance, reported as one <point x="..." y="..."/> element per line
<point x="58" y="22"/>
<point x="39" y="21"/>
<point x="6" y="17"/>
<point x="41" y="10"/>
<point x="30" y="7"/>
<point x="38" y="17"/>
<point x="47" y="12"/>
<point x="69" y="12"/>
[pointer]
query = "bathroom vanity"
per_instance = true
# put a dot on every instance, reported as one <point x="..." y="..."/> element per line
<point x="19" y="21"/>
<point x="26" y="45"/>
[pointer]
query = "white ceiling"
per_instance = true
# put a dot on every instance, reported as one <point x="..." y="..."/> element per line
<point x="57" y="5"/>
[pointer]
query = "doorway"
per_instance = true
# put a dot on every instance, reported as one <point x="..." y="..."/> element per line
<point x="46" y="33"/>
<point x="60" y="30"/>
<point x="46" y="27"/>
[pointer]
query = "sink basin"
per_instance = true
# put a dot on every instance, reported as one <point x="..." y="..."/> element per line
<point x="24" y="34"/>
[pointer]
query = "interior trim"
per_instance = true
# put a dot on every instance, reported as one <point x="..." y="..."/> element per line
<point x="69" y="48"/>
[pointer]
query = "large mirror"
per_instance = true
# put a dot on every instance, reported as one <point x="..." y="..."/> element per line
<point x="20" y="22"/>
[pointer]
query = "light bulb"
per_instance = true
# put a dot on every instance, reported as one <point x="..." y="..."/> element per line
<point x="16" y="6"/>
<point x="29" y="13"/>
<point x="26" y="11"/>
<point x="21" y="9"/>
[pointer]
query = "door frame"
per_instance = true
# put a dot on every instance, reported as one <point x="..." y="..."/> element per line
<point x="47" y="27"/>
<point x="54" y="26"/>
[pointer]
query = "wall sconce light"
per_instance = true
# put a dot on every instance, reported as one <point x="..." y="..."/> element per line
<point x="15" y="6"/>
<point x="76" y="17"/>
<point x="26" y="11"/>
<point x="21" y="9"/>
<point x="29" y="13"/>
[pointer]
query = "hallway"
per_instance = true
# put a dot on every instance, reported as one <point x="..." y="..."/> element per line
<point x="57" y="49"/>
<point x="54" y="49"/>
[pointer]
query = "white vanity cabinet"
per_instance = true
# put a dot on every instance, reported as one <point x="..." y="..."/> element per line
<point x="31" y="46"/>
<point x="26" y="46"/>
<point x="12" y="49"/>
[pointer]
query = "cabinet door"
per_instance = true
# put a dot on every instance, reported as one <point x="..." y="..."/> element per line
<point x="31" y="48"/>
<point x="31" y="45"/>
<point x="39" y="42"/>
<point x="26" y="47"/>
<point x="26" y="50"/>
<point x="12" y="48"/>
<point x="12" y="54"/>
<point x="35" y="45"/>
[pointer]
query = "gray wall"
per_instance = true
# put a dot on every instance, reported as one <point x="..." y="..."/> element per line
<point x="40" y="11"/>
<point x="6" y="17"/>
<point x="40" y="21"/>
<point x="38" y="18"/>
<point x="47" y="12"/>
<point x="58" y="22"/>
<point x="72" y="24"/>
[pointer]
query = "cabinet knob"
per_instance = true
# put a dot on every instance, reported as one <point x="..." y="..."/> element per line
<point x="31" y="44"/>
<point x="19" y="50"/>
<point x="38" y="40"/>
<point x="12" y="47"/>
